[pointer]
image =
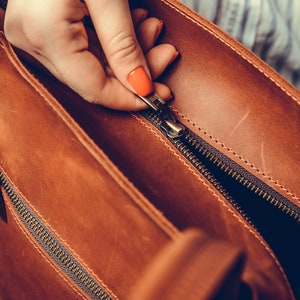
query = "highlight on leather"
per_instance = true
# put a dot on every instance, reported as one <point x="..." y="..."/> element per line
<point x="114" y="191"/>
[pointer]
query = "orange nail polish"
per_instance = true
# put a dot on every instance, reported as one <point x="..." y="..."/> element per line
<point x="140" y="81"/>
<point x="159" y="29"/>
<point x="170" y="97"/>
<point x="174" y="57"/>
<point x="143" y="16"/>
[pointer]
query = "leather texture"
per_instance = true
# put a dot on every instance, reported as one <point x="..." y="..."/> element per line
<point x="115" y="191"/>
<point x="174" y="273"/>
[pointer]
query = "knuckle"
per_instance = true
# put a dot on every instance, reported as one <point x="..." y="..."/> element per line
<point x="23" y="34"/>
<point x="122" y="47"/>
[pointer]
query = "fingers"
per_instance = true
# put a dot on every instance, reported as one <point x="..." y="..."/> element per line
<point x="148" y="31"/>
<point x="60" y="41"/>
<point x="138" y="15"/>
<point x="115" y="30"/>
<point x="160" y="57"/>
<point x="162" y="90"/>
<point x="95" y="87"/>
<point x="83" y="72"/>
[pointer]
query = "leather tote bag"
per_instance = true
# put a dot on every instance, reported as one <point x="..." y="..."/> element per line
<point x="196" y="199"/>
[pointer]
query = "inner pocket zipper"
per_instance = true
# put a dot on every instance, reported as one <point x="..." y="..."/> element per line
<point x="271" y="214"/>
<point x="206" y="158"/>
<point x="63" y="258"/>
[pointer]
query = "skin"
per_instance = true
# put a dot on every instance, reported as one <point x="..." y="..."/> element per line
<point x="54" y="32"/>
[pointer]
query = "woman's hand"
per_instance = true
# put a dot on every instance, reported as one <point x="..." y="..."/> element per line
<point x="53" y="31"/>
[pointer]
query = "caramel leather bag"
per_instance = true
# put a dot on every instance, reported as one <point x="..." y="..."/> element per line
<point x="195" y="200"/>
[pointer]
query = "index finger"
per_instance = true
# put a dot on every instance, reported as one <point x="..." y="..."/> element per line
<point x="115" y="30"/>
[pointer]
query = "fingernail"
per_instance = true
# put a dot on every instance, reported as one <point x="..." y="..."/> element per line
<point x="159" y="29"/>
<point x="174" y="57"/>
<point x="170" y="97"/>
<point x="143" y="15"/>
<point x="140" y="81"/>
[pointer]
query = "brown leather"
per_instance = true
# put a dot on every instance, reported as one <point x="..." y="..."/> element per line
<point x="47" y="156"/>
<point x="84" y="200"/>
<point x="174" y="273"/>
<point x="247" y="96"/>
<point x="95" y="211"/>
<point x="26" y="271"/>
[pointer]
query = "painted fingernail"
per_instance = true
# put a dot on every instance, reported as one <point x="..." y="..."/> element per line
<point x="144" y="15"/>
<point x="170" y="97"/>
<point x="159" y="29"/>
<point x="174" y="57"/>
<point x="140" y="81"/>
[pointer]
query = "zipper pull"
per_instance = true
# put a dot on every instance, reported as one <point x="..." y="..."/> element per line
<point x="169" y="124"/>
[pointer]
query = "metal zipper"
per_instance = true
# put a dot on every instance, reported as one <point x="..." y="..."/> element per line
<point x="210" y="162"/>
<point x="51" y="245"/>
<point x="202" y="155"/>
<point x="272" y="215"/>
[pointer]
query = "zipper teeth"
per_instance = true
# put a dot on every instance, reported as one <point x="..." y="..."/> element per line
<point x="188" y="141"/>
<point x="51" y="245"/>
<point x="207" y="174"/>
<point x="241" y="179"/>
<point x="196" y="162"/>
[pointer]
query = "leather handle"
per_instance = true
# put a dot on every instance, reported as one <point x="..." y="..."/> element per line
<point x="192" y="267"/>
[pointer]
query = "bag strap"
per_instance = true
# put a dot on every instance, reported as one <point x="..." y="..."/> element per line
<point x="192" y="267"/>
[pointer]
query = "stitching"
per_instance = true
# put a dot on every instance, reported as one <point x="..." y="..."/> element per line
<point x="240" y="53"/>
<point x="66" y="245"/>
<point x="62" y="241"/>
<point x="222" y="202"/>
<point x="72" y="251"/>
<point x="180" y="159"/>
<point x="164" y="223"/>
<point x="228" y="149"/>
<point x="91" y="147"/>
<point x="33" y="243"/>
<point x="76" y="130"/>
<point x="270" y="179"/>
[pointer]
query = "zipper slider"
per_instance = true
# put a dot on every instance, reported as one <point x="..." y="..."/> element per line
<point x="169" y="124"/>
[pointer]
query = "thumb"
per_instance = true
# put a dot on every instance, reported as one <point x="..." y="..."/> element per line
<point x="115" y="30"/>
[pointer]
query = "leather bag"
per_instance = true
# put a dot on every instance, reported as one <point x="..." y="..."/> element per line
<point x="198" y="199"/>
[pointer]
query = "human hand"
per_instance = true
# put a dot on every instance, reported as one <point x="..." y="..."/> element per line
<point x="53" y="32"/>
